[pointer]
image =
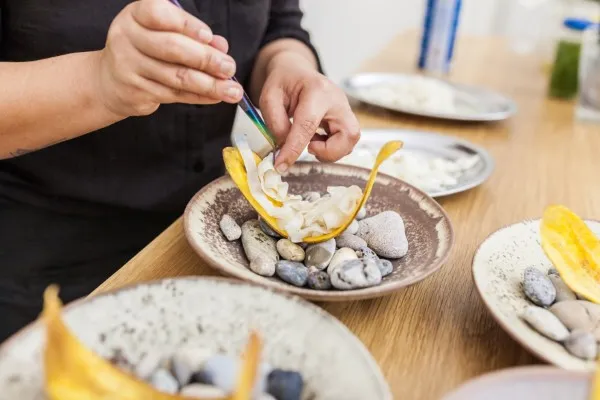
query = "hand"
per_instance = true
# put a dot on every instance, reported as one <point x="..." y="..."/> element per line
<point x="157" y="53"/>
<point x="294" y="88"/>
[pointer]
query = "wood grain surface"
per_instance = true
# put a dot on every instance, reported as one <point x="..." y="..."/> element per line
<point x="437" y="334"/>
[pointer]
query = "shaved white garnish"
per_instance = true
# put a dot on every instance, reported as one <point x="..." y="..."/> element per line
<point x="299" y="218"/>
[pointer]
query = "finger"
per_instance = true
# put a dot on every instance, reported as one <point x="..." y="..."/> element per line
<point x="167" y="95"/>
<point x="307" y="117"/>
<point x="178" y="49"/>
<point x="161" y="15"/>
<point x="273" y="108"/>
<point x="185" y="79"/>
<point x="340" y="143"/>
<point x="220" y="43"/>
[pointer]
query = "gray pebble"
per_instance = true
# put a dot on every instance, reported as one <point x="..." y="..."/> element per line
<point x="538" y="287"/>
<point x="582" y="344"/>
<point x="267" y="229"/>
<point x="385" y="266"/>
<point x="366" y="252"/>
<point x="311" y="196"/>
<point x="188" y="360"/>
<point x="319" y="255"/>
<point x="285" y="385"/>
<point x="292" y="272"/>
<point x="260" y="249"/>
<point x="362" y="214"/>
<point x="351" y="241"/>
<point x="230" y="228"/>
<point x="289" y="250"/>
<point x="164" y="382"/>
<point x="340" y="257"/>
<point x="201" y="391"/>
<point x="352" y="229"/>
<point x="577" y="314"/>
<point x="221" y="370"/>
<point x="545" y="323"/>
<point x="356" y="274"/>
<point x="319" y="280"/>
<point x="385" y="234"/>
<point x="563" y="292"/>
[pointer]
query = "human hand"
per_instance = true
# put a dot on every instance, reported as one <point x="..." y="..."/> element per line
<point x="155" y="54"/>
<point x="294" y="88"/>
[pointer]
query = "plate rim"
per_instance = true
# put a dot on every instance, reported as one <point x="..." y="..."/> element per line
<point x="320" y="295"/>
<point x="360" y="345"/>
<point x="506" y="327"/>
<point x="482" y="117"/>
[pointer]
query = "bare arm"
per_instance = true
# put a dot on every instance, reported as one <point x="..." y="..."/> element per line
<point x="49" y="101"/>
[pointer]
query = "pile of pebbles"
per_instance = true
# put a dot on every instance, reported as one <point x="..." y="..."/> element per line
<point x="199" y="373"/>
<point x="358" y="258"/>
<point x="558" y="313"/>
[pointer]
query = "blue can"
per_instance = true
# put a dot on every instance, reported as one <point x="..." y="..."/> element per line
<point x="439" y="34"/>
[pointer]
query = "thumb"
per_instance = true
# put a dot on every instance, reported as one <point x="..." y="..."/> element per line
<point x="273" y="108"/>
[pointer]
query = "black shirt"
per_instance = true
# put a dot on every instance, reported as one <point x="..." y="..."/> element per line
<point x="74" y="212"/>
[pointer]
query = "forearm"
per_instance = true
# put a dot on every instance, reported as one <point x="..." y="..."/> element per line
<point x="49" y="101"/>
<point x="291" y="49"/>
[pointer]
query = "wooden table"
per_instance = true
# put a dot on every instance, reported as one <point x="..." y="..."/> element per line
<point x="437" y="334"/>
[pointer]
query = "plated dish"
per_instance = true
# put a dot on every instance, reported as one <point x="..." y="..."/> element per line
<point x="429" y="97"/>
<point x="437" y="164"/>
<point x="139" y="326"/>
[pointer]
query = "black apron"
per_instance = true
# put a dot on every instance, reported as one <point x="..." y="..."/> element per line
<point x="75" y="212"/>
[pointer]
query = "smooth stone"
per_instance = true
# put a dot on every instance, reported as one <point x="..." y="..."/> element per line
<point x="563" y="292"/>
<point x="164" y="382"/>
<point x="351" y="241"/>
<point x="352" y="229"/>
<point x="385" y="266"/>
<point x="385" y="234"/>
<point x="267" y="229"/>
<point x="319" y="255"/>
<point x="341" y="256"/>
<point x="188" y="360"/>
<point x="362" y="214"/>
<point x="311" y="196"/>
<point x="289" y="250"/>
<point x="538" y="287"/>
<point x="545" y="323"/>
<point x="201" y="391"/>
<point x="292" y="272"/>
<point x="285" y="385"/>
<point x="582" y="344"/>
<point x="230" y="228"/>
<point x="147" y="365"/>
<point x="260" y="249"/>
<point x="319" y="280"/>
<point x="221" y="371"/>
<point x="355" y="274"/>
<point x="578" y="315"/>
<point x="366" y="252"/>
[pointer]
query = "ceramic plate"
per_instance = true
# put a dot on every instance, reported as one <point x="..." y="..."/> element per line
<point x="471" y="103"/>
<point x="526" y="383"/>
<point x="498" y="268"/>
<point x="215" y="313"/>
<point x="428" y="229"/>
<point x="430" y="146"/>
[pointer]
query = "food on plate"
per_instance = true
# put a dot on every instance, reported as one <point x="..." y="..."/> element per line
<point x="309" y="220"/>
<point x="74" y="372"/>
<point x="559" y="308"/>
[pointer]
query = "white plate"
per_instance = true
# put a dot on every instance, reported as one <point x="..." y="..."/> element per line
<point x="431" y="145"/>
<point x="471" y="103"/>
<point x="498" y="268"/>
<point x="216" y="313"/>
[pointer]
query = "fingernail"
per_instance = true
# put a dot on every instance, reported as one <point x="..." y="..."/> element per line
<point x="205" y="35"/>
<point x="227" y="68"/>
<point x="233" y="93"/>
<point x="281" y="168"/>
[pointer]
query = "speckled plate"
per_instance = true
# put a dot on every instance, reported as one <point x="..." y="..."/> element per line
<point x="498" y="268"/>
<point x="526" y="383"/>
<point x="216" y="313"/>
<point x="428" y="228"/>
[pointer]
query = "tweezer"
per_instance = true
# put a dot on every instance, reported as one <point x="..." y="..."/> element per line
<point x="249" y="108"/>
